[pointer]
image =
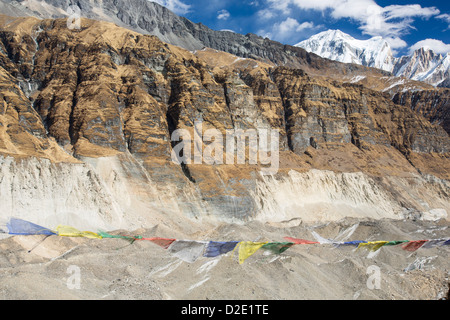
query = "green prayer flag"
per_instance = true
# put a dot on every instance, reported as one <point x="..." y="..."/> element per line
<point x="105" y="234"/>
<point x="277" y="247"/>
<point x="396" y="242"/>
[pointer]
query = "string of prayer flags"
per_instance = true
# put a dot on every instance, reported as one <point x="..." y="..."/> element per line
<point x="216" y="248"/>
<point x="248" y="248"/>
<point x="413" y="245"/>
<point x="188" y="250"/>
<point x="372" y="245"/>
<point x="67" y="231"/>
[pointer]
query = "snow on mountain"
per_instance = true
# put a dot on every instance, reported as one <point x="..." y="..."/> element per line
<point x="339" y="46"/>
<point x="422" y="65"/>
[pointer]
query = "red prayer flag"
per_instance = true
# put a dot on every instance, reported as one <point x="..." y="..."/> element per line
<point x="162" y="242"/>
<point x="413" y="245"/>
<point x="300" y="241"/>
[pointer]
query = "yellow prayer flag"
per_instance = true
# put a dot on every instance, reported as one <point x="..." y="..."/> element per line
<point x="247" y="248"/>
<point x="67" y="231"/>
<point x="373" y="245"/>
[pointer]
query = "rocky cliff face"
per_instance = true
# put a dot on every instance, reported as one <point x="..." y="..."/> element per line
<point x="432" y="104"/>
<point x="103" y="102"/>
<point x="150" y="18"/>
<point x="147" y="17"/>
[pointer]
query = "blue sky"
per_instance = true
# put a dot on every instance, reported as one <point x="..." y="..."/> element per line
<point x="406" y="25"/>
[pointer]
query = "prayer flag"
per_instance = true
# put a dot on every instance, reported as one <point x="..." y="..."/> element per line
<point x="162" y="242"/>
<point x="348" y="243"/>
<point x="278" y="247"/>
<point x="395" y="242"/>
<point x="67" y="231"/>
<point x="300" y="241"/>
<point x="21" y="227"/>
<point x="434" y="243"/>
<point x="372" y="245"/>
<point x="247" y="248"/>
<point x="187" y="250"/>
<point x="105" y="234"/>
<point x="413" y="245"/>
<point x="216" y="248"/>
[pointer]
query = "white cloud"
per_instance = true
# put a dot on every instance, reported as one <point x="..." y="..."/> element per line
<point x="409" y="10"/>
<point x="390" y="22"/>
<point x="445" y="17"/>
<point x="229" y="30"/>
<point x="281" y="5"/>
<point x="266" y="14"/>
<point x="436" y="45"/>
<point x="288" y="29"/>
<point x="304" y="26"/>
<point x="176" y="6"/>
<point x="395" y="43"/>
<point x="223" y="14"/>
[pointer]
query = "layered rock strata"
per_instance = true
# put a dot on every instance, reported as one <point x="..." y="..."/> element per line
<point x="103" y="103"/>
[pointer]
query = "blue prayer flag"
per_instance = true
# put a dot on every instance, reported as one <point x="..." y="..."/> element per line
<point x="216" y="248"/>
<point x="21" y="227"/>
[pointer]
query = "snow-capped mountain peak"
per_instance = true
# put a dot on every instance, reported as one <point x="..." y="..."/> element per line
<point x="422" y="65"/>
<point x="339" y="46"/>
